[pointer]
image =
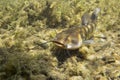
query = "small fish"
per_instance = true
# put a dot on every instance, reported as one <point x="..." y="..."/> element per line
<point x="74" y="37"/>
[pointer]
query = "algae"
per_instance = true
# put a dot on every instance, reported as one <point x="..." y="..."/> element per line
<point x="23" y="23"/>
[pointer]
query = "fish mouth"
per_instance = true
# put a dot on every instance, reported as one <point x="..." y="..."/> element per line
<point x="59" y="44"/>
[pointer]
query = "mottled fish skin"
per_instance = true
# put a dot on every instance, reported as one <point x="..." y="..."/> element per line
<point x="73" y="38"/>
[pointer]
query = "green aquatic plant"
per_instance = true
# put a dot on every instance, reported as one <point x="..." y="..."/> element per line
<point x="23" y="23"/>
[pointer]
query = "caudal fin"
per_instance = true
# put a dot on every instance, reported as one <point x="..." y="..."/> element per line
<point x="87" y="19"/>
<point x="95" y="15"/>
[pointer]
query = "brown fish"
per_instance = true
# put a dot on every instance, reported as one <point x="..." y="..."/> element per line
<point x="73" y="38"/>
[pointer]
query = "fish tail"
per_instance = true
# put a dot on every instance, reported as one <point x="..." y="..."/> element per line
<point x="95" y="15"/>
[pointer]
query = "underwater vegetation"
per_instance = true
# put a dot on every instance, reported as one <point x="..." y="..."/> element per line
<point x="24" y="24"/>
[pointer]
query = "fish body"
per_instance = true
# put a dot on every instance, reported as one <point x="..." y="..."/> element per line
<point x="73" y="37"/>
